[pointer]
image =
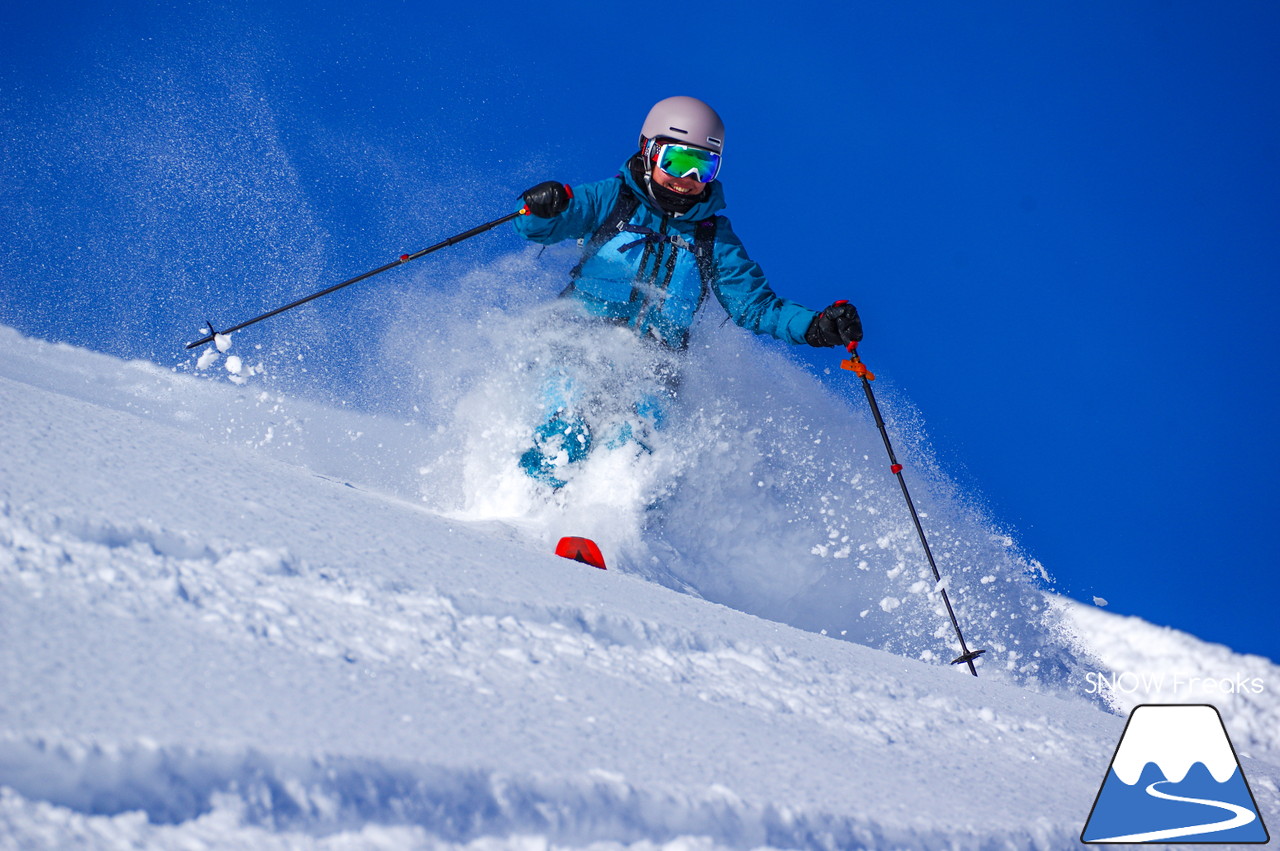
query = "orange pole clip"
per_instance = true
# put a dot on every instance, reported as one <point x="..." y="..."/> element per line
<point x="855" y="365"/>
<point x="858" y="368"/>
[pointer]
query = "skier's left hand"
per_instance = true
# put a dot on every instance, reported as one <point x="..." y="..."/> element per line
<point x="838" y="325"/>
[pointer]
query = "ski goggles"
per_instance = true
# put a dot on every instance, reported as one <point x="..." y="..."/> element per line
<point x="688" y="161"/>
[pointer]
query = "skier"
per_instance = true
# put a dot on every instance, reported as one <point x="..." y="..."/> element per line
<point x="654" y="245"/>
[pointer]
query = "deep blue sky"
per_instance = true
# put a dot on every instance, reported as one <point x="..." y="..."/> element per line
<point x="1059" y="220"/>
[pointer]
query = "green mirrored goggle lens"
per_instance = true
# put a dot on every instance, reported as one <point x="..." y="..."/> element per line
<point x="688" y="161"/>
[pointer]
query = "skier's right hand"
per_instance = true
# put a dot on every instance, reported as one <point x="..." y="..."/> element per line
<point x="838" y="325"/>
<point x="547" y="200"/>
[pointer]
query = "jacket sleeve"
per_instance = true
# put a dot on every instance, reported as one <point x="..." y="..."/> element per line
<point x="746" y="296"/>
<point x="590" y="204"/>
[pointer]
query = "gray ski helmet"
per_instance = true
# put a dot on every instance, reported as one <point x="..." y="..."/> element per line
<point x="686" y="119"/>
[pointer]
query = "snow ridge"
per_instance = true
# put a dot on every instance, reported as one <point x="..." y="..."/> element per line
<point x="322" y="796"/>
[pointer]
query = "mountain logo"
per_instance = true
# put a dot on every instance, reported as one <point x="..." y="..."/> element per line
<point x="1175" y="777"/>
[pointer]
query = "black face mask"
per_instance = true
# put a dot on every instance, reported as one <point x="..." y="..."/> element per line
<point x="671" y="202"/>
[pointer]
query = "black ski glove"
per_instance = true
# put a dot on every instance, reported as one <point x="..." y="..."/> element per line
<point x="547" y="200"/>
<point x="838" y="325"/>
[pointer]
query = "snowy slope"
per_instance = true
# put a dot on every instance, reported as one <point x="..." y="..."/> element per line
<point x="215" y="632"/>
<point x="1139" y="662"/>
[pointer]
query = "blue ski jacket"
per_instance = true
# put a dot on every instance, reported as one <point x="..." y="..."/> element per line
<point x="646" y="275"/>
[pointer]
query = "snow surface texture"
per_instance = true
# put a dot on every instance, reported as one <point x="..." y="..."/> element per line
<point x="228" y="619"/>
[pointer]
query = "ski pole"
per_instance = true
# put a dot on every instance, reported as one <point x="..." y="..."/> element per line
<point x="404" y="258"/>
<point x="855" y="365"/>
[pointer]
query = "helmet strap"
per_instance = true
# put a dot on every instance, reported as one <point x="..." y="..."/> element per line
<point x="647" y="147"/>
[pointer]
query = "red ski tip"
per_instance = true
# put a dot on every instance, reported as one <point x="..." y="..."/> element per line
<point x="581" y="549"/>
